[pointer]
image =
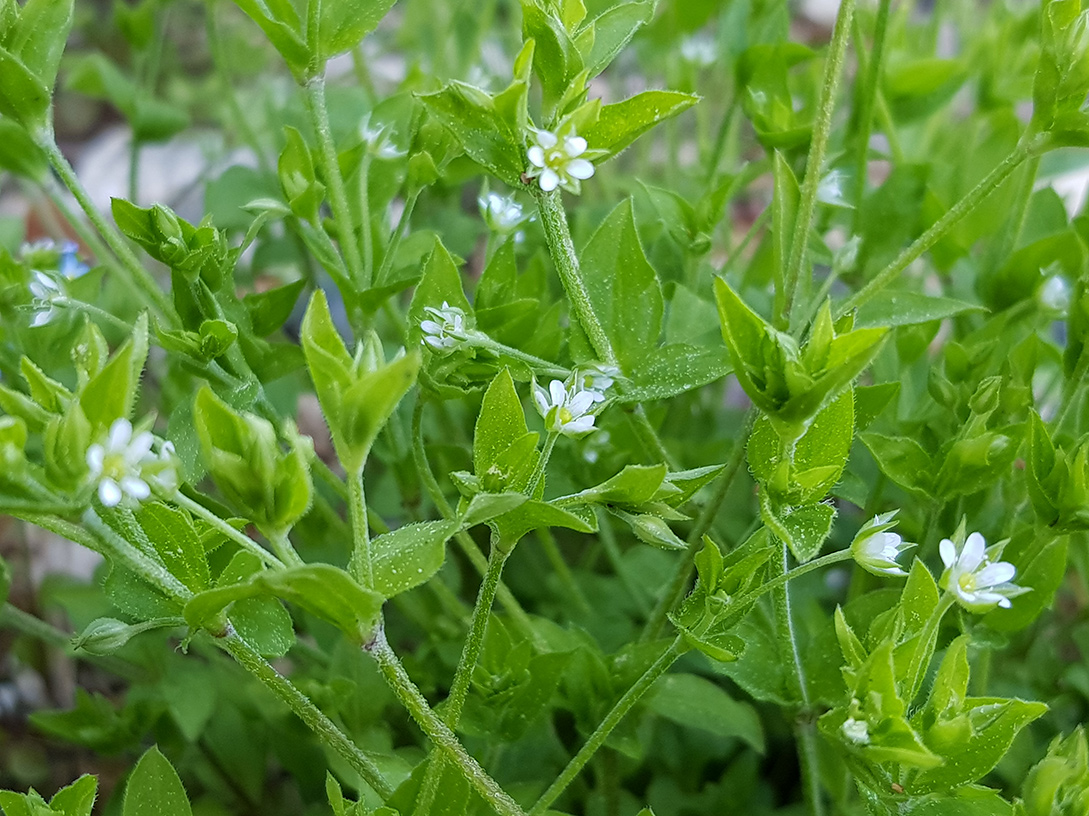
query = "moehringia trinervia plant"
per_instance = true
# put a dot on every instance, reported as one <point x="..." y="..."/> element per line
<point x="555" y="161"/>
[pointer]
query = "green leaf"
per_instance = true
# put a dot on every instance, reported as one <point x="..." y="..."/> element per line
<point x="23" y="96"/>
<point x="675" y="369"/>
<point x="321" y="589"/>
<point x="76" y="799"/>
<point x="611" y="31"/>
<point x="154" y="788"/>
<point x="807" y="528"/>
<point x="903" y="460"/>
<point x="344" y="23"/>
<point x="261" y="622"/>
<point x="501" y="423"/>
<point x="269" y="310"/>
<point x="695" y="702"/>
<point x="281" y="24"/>
<point x="651" y="530"/>
<point x="622" y="123"/>
<point x="410" y="555"/>
<point x="484" y="507"/>
<point x="890" y="308"/>
<point x="623" y="287"/>
<point x="175" y="539"/>
<point x="966" y="801"/>
<point x="111" y="393"/>
<point x="441" y="283"/>
<point x="151" y="119"/>
<point x="19" y="154"/>
<point x="556" y="60"/>
<point x="635" y="484"/>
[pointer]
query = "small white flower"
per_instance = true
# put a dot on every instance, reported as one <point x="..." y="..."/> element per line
<point x="856" y="731"/>
<point x="1054" y="295"/>
<point x="978" y="583"/>
<point x="377" y="139"/>
<point x="447" y="331"/>
<point x="555" y="162"/>
<point x="502" y="214"/>
<point x="876" y="550"/>
<point x="566" y="411"/>
<point x="47" y="292"/>
<point x="162" y="471"/>
<point x="596" y="377"/>
<point x="118" y="466"/>
<point x="699" y="49"/>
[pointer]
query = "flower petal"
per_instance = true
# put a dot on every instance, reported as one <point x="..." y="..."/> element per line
<point x="137" y="488"/>
<point x="536" y="156"/>
<point x="546" y="138"/>
<point x="580" y="169"/>
<point x="120" y="434"/>
<point x="557" y="392"/>
<point x="948" y="552"/>
<point x="974" y="550"/>
<point x="574" y="146"/>
<point x="109" y="493"/>
<point x="995" y="574"/>
<point x="549" y="180"/>
<point x="96" y="457"/>
<point x="581" y="402"/>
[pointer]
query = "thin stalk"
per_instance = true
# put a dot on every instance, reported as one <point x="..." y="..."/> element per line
<point x="334" y="181"/>
<point x="395" y="238"/>
<point x="648" y="436"/>
<point x="281" y="544"/>
<point x="86" y="234"/>
<point x="361" y="565"/>
<point x="365" y="217"/>
<point x="231" y="533"/>
<point x="306" y="711"/>
<point x="865" y="113"/>
<point x="822" y="127"/>
<point x="133" y="559"/>
<point x="436" y="730"/>
<point x="612" y="719"/>
<point x="464" y="540"/>
<point x="90" y="309"/>
<point x="969" y="202"/>
<point x="470" y="654"/>
<point x="542" y="463"/>
<point x="679" y="583"/>
<point x="139" y="277"/>
<point x="538" y="364"/>
<point x="562" y="249"/>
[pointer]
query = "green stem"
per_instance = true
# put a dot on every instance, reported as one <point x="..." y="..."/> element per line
<point x="436" y="730"/>
<point x="306" y="711"/>
<point x="334" y="181"/>
<point x="23" y="622"/>
<point x="396" y="238"/>
<point x="139" y="277"/>
<point x="283" y="548"/>
<point x="231" y="533"/>
<point x="969" y="202"/>
<point x="361" y="565"/>
<point x="464" y="540"/>
<point x="865" y="113"/>
<point x="648" y="436"/>
<point x="539" y="365"/>
<point x="470" y="654"/>
<point x="783" y="578"/>
<point x="542" y="463"/>
<point x="562" y="249"/>
<point x="365" y="216"/>
<point x="86" y="234"/>
<point x="612" y="719"/>
<point x="101" y="314"/>
<point x="833" y="73"/>
<point x="1071" y="389"/>
<point x="678" y="585"/>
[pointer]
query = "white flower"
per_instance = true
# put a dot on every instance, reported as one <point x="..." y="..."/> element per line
<point x="566" y="411"/>
<point x="699" y="49"/>
<point x="978" y="583"/>
<point x="555" y="162"/>
<point x="447" y="331"/>
<point x="876" y="550"/>
<point x="47" y="292"/>
<point x="377" y="139"/>
<point x="596" y="377"/>
<point x="1054" y="295"/>
<point x="118" y="466"/>
<point x="856" y="731"/>
<point x="502" y="214"/>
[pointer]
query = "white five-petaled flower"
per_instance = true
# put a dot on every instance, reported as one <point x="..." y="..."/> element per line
<point x="856" y="731"/>
<point x="378" y="139"/>
<point x="978" y="582"/>
<point x="502" y="214"/>
<point x="47" y="292"/>
<point x="447" y="331"/>
<point x="875" y="549"/>
<point x="555" y="162"/>
<point x="566" y="411"/>
<point x="118" y="465"/>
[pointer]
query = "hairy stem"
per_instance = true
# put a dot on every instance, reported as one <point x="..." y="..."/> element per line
<point x="562" y="249"/>
<point x="612" y="719"/>
<point x="231" y="533"/>
<point x="139" y="278"/>
<point x="833" y="73"/>
<point x="334" y="181"/>
<point x="361" y="565"/>
<point x="322" y="726"/>
<point x="969" y="202"/>
<point x="436" y="730"/>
